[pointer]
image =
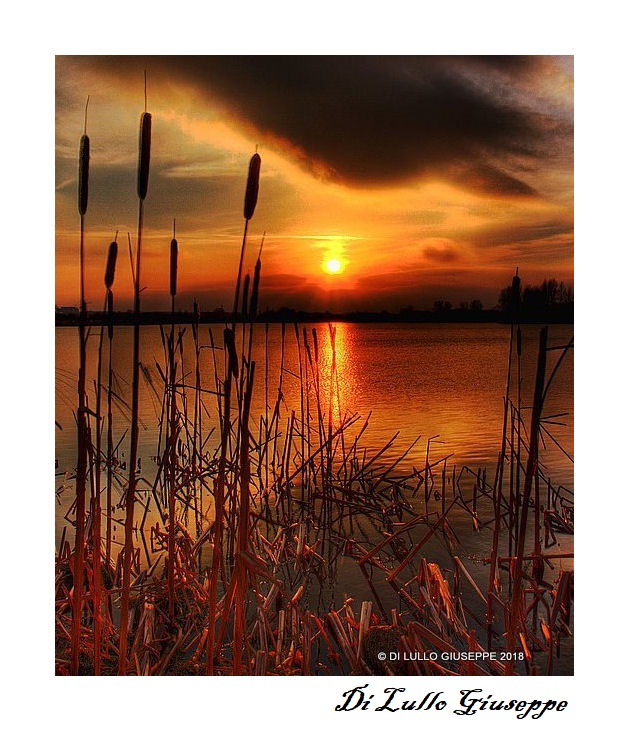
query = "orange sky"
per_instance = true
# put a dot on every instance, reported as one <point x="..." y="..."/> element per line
<point x="425" y="178"/>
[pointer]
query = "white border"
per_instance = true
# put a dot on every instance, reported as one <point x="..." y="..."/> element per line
<point x="34" y="695"/>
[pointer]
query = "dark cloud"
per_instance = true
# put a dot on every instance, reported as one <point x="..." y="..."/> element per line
<point x="373" y="120"/>
<point x="525" y="232"/>
<point x="442" y="255"/>
<point x="484" y="178"/>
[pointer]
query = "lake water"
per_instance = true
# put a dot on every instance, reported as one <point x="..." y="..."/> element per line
<point x="415" y="379"/>
<point x="421" y="380"/>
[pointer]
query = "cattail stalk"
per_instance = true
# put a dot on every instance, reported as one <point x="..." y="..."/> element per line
<point x="219" y="500"/>
<point x="96" y="504"/>
<point x="82" y="426"/>
<point x="197" y="440"/>
<point x="110" y="271"/>
<point x="231" y="371"/>
<point x="143" y="177"/>
<point x="243" y="525"/>
<point x="110" y="426"/>
<point x="497" y="490"/>
<point x="97" y="513"/>
<point x="172" y="437"/>
<point x="531" y="470"/>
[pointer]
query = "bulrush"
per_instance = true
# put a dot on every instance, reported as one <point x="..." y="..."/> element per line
<point x="171" y="434"/>
<point x="144" y="155"/>
<point x="82" y="426"/>
<point x="110" y="312"/>
<point x="173" y="267"/>
<point x="110" y="269"/>
<point x="84" y="173"/>
<point x="251" y="199"/>
<point x="253" y="307"/>
<point x="253" y="183"/>
<point x="110" y="272"/>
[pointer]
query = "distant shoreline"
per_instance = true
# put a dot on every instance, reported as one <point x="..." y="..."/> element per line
<point x="561" y="316"/>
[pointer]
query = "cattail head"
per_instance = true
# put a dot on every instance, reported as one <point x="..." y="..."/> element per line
<point x="245" y="296"/>
<point x="230" y="347"/>
<point x="110" y="270"/>
<point x="173" y="267"/>
<point x="110" y="312"/>
<point x="253" y="181"/>
<point x="518" y="342"/>
<point x="253" y="308"/>
<point x="144" y="155"/>
<point x="84" y="172"/>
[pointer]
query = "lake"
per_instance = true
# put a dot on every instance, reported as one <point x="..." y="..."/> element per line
<point x="418" y="379"/>
<point x="443" y="382"/>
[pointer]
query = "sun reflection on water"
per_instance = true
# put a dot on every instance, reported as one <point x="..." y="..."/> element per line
<point x="336" y="370"/>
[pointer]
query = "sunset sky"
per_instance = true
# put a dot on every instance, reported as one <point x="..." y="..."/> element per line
<point x="386" y="181"/>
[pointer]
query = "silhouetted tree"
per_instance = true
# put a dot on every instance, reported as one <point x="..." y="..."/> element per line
<point x="550" y="298"/>
<point x="441" y="306"/>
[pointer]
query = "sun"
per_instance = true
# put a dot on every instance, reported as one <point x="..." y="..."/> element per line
<point x="333" y="266"/>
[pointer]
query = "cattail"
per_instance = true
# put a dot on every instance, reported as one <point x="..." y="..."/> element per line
<point x="253" y="180"/>
<point x="110" y="270"/>
<point x="110" y="314"/>
<point x="143" y="181"/>
<point x="145" y="154"/>
<point x="245" y="295"/>
<point x="519" y="342"/>
<point x="230" y="347"/>
<point x="173" y="267"/>
<point x="253" y="309"/>
<point x="84" y="173"/>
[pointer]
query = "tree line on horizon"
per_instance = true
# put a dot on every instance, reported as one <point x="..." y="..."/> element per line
<point x="551" y="300"/>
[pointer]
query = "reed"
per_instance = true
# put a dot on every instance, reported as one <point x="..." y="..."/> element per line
<point x="174" y="252"/>
<point x="498" y="482"/>
<point x="144" y="155"/>
<point x="171" y="438"/>
<point x="109" y="281"/>
<point x="82" y="425"/>
<point x="95" y="508"/>
<point x="517" y="625"/>
<point x="251" y="199"/>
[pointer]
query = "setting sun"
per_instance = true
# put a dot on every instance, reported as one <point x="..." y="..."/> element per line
<point x="333" y="266"/>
